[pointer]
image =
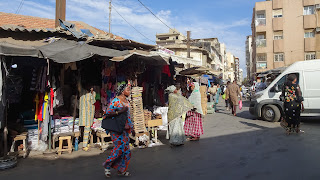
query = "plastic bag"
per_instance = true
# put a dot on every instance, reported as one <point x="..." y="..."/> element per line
<point x="224" y="96"/>
<point x="240" y="104"/>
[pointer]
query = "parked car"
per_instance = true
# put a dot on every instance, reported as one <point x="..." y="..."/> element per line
<point x="266" y="104"/>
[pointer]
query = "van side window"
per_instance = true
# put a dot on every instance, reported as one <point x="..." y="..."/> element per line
<point x="281" y="82"/>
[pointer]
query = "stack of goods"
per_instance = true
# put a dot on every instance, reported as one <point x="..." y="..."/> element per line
<point x="204" y="99"/>
<point x="137" y="113"/>
<point x="33" y="136"/>
<point x="147" y="115"/>
<point x="96" y="126"/>
<point x="65" y="125"/>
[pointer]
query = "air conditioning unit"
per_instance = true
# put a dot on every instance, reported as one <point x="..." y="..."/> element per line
<point x="317" y="6"/>
<point x="318" y="29"/>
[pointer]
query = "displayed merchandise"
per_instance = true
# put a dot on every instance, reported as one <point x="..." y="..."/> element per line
<point x="65" y="125"/>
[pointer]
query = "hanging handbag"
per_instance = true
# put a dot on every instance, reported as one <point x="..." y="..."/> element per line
<point x="116" y="123"/>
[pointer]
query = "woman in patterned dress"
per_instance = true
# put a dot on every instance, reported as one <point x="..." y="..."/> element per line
<point x="120" y="154"/>
<point x="293" y="104"/>
<point x="193" y="124"/>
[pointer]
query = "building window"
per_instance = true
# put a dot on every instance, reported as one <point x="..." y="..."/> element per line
<point x="177" y="37"/>
<point x="308" y="10"/>
<point x="277" y="13"/>
<point x="309" y="34"/>
<point x="310" y="56"/>
<point x="278" y="57"/>
<point x="261" y="65"/>
<point x="261" y="40"/>
<point x="262" y="57"/>
<point x="278" y="35"/>
<point x="260" y="18"/>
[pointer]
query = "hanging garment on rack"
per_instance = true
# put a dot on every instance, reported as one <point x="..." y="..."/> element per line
<point x="51" y="101"/>
<point x="36" y="100"/>
<point x="58" y="98"/>
<point x="40" y="107"/>
<point x="86" y="113"/>
<point x="33" y="80"/>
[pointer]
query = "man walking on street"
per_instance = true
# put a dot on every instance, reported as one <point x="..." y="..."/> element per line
<point x="212" y="91"/>
<point x="233" y="91"/>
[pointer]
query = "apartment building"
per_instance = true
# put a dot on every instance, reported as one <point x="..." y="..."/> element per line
<point x="283" y="32"/>
<point x="237" y="69"/>
<point x="249" y="62"/>
<point x="173" y="37"/>
<point x="229" y="70"/>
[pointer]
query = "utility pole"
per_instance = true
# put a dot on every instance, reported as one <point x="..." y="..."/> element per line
<point x="110" y="6"/>
<point x="188" y="43"/>
<point x="60" y="11"/>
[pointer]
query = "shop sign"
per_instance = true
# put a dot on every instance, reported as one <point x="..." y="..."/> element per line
<point x="165" y="51"/>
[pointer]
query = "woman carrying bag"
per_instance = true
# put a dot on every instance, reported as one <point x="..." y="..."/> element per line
<point x="118" y="123"/>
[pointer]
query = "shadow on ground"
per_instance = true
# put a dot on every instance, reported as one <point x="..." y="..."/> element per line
<point x="259" y="154"/>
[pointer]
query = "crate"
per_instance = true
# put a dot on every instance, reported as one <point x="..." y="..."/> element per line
<point x="154" y="123"/>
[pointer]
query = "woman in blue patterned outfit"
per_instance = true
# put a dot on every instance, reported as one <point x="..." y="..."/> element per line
<point x="120" y="154"/>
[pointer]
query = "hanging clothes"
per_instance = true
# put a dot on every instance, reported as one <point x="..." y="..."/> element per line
<point x="36" y="100"/>
<point x="86" y="113"/>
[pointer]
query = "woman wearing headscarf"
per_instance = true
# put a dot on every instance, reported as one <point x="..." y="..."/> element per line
<point x="119" y="158"/>
<point x="178" y="106"/>
<point x="292" y="104"/>
<point x="193" y="124"/>
<point x="217" y="98"/>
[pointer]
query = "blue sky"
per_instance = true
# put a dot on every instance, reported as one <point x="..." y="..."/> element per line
<point x="228" y="20"/>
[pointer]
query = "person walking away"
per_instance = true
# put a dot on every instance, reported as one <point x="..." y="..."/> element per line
<point x="232" y="94"/>
<point x="217" y="98"/>
<point x="178" y="106"/>
<point x="86" y="113"/>
<point x="226" y="99"/>
<point x="292" y="104"/>
<point x="120" y="156"/>
<point x="193" y="125"/>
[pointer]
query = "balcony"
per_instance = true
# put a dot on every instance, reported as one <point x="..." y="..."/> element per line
<point x="261" y="43"/>
<point x="260" y="21"/>
<point x="277" y="24"/>
<point x="277" y="4"/>
<point x="310" y="44"/>
<point x="278" y="46"/>
<point x="309" y="21"/>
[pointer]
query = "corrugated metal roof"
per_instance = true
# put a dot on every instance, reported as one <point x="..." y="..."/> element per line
<point x="15" y="28"/>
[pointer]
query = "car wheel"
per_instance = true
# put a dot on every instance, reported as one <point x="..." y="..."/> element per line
<point x="271" y="113"/>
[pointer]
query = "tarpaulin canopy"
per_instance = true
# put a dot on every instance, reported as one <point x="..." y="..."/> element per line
<point x="66" y="51"/>
<point x="147" y="57"/>
<point x="8" y="49"/>
<point x="198" y="71"/>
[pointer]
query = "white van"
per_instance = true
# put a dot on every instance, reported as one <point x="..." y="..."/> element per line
<point x="266" y="104"/>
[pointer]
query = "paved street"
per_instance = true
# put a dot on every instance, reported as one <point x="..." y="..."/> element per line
<point x="232" y="148"/>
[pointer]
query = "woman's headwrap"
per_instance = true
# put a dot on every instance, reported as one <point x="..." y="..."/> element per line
<point x="171" y="89"/>
<point x="120" y="89"/>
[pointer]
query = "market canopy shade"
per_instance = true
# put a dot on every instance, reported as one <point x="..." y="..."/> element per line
<point x="66" y="51"/>
<point x="199" y="71"/>
<point x="8" y="49"/>
<point x="147" y="57"/>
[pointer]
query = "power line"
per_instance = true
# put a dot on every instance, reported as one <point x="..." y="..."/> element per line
<point x="155" y="15"/>
<point x="158" y="18"/>
<point x="20" y="6"/>
<point x="131" y="25"/>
